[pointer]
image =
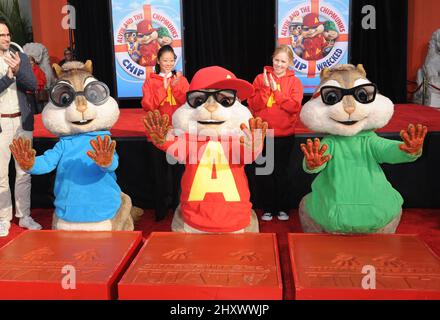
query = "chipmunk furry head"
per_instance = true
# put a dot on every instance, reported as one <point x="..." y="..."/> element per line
<point x="79" y="103"/>
<point x="351" y="114"/>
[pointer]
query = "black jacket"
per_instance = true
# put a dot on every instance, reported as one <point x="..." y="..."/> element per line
<point x="25" y="82"/>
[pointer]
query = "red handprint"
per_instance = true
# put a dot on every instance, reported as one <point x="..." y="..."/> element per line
<point x="157" y="126"/>
<point x="413" y="138"/>
<point x="345" y="260"/>
<point x="22" y="151"/>
<point x="254" y="135"/>
<point x="103" y="151"/>
<point x="314" y="154"/>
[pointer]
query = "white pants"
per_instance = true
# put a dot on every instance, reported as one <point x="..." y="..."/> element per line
<point x="11" y="128"/>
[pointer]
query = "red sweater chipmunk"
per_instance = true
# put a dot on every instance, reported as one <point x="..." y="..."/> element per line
<point x="219" y="138"/>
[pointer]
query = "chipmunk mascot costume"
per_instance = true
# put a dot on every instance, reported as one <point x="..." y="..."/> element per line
<point x="80" y="112"/>
<point x="351" y="194"/>
<point x="215" y="136"/>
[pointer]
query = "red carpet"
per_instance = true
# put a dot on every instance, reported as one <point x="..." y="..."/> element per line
<point x="130" y="121"/>
<point x="425" y="223"/>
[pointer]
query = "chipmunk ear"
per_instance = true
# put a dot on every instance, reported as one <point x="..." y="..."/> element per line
<point x="88" y="66"/>
<point x="58" y="70"/>
<point x="361" y="70"/>
<point x="325" y="73"/>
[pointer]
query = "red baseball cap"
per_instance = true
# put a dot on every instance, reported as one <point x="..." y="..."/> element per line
<point x="216" y="77"/>
<point x="145" y="27"/>
<point x="311" y="20"/>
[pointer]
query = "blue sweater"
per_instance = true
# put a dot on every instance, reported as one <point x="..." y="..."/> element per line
<point x="84" y="191"/>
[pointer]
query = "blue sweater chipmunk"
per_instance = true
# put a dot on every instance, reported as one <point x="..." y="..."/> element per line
<point x="81" y="112"/>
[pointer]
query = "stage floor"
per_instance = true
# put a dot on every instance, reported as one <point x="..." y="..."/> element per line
<point x="425" y="223"/>
<point x="130" y="122"/>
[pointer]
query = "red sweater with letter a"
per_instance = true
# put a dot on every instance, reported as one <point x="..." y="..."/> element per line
<point x="215" y="191"/>
<point x="155" y="96"/>
<point x="279" y="108"/>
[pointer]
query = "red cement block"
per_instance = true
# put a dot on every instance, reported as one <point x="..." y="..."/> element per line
<point x="31" y="265"/>
<point x="331" y="267"/>
<point x="177" y="266"/>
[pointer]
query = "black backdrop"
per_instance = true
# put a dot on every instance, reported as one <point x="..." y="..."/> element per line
<point x="383" y="51"/>
<point x="240" y="35"/>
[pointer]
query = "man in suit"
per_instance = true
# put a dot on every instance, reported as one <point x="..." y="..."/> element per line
<point x="16" y="119"/>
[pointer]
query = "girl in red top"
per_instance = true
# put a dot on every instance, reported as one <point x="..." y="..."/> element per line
<point x="165" y="90"/>
<point x="277" y="100"/>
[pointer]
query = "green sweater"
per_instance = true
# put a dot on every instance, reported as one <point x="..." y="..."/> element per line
<point x="351" y="193"/>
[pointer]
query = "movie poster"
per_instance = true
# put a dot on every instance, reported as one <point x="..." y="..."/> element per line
<point x="317" y="31"/>
<point x="140" y="28"/>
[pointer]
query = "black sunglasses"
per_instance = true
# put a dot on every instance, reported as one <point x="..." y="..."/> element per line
<point x="62" y="94"/>
<point x="226" y="97"/>
<point x="365" y="93"/>
<point x="308" y="28"/>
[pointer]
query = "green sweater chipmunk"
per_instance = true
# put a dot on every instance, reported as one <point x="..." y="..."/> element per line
<point x="351" y="193"/>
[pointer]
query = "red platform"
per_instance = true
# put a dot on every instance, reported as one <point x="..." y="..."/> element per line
<point x="330" y="267"/>
<point x="177" y="266"/>
<point x="31" y="265"/>
<point x="130" y="122"/>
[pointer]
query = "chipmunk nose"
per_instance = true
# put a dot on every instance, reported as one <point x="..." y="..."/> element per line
<point x="349" y="104"/>
<point x="211" y="105"/>
<point x="81" y="104"/>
